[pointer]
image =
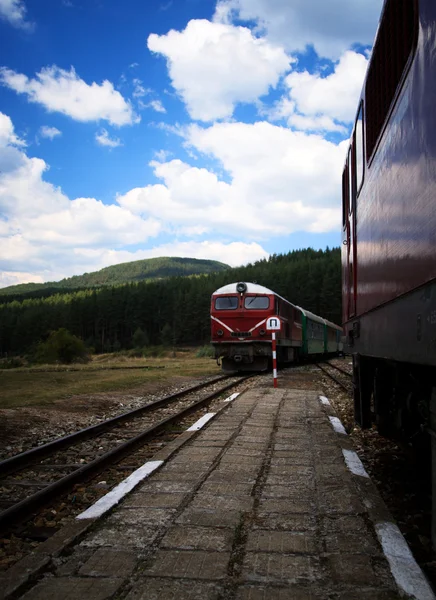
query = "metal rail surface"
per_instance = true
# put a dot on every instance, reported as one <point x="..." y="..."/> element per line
<point x="345" y="372"/>
<point x="29" y="505"/>
<point x="347" y="388"/>
<point x="24" y="459"/>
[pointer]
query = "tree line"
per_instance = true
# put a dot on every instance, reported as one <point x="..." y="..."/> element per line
<point x="170" y="311"/>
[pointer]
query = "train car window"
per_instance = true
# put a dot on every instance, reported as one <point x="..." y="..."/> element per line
<point x="226" y="303"/>
<point x="396" y="42"/>
<point x="351" y="180"/>
<point x="360" y="157"/>
<point x="344" y="195"/>
<point x="256" y="302"/>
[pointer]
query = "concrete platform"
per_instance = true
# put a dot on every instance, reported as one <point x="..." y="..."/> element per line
<point x="259" y="505"/>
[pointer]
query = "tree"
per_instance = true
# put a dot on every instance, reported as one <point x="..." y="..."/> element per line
<point x="166" y="335"/>
<point x="140" y="338"/>
<point x="61" y="346"/>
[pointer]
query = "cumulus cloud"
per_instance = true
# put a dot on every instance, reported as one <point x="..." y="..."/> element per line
<point x="281" y="181"/>
<point x="103" y="139"/>
<point x="46" y="236"/>
<point x="323" y="103"/>
<point x="157" y="106"/>
<point x="214" y="66"/>
<point x="318" y="102"/>
<point x="270" y="181"/>
<point x="40" y="226"/>
<point x="49" y="132"/>
<point x="331" y="27"/>
<point x="63" y="91"/>
<point x="7" y="135"/>
<point x="15" y="277"/>
<point x="14" y="12"/>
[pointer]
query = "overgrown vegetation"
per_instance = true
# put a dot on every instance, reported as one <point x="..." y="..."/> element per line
<point x="61" y="347"/>
<point x="205" y="352"/>
<point x="167" y="312"/>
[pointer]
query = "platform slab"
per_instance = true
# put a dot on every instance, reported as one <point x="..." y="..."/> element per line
<point x="259" y="505"/>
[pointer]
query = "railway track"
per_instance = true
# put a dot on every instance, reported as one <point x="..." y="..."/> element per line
<point x="344" y="380"/>
<point x="33" y="478"/>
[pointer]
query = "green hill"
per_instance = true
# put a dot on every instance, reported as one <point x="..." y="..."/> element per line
<point x="172" y="308"/>
<point x="138" y="270"/>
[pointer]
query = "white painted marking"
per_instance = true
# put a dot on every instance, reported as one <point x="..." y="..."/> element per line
<point x="221" y="323"/>
<point x="275" y="373"/>
<point x="114" y="496"/>
<point x="201" y="422"/>
<point x="232" y="397"/>
<point x="257" y="325"/>
<point x="324" y="400"/>
<point x="274" y="355"/>
<point x="354" y="463"/>
<point x="337" y="425"/>
<point x="404" y="568"/>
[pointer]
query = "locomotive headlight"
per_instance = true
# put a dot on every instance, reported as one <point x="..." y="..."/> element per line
<point x="220" y="332"/>
<point x="241" y="287"/>
<point x="262" y="332"/>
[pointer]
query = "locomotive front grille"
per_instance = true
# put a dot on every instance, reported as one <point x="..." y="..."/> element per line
<point x="240" y="334"/>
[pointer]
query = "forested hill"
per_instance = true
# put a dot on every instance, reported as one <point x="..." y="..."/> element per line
<point x="174" y="310"/>
<point x="138" y="270"/>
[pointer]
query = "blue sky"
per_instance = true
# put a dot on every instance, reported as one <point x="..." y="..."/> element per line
<point x="210" y="129"/>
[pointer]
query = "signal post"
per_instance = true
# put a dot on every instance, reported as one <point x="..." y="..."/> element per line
<point x="273" y="324"/>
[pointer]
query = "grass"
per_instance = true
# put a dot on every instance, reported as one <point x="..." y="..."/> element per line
<point x="36" y="387"/>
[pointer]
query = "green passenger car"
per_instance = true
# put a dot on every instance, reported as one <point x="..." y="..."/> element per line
<point x="319" y="335"/>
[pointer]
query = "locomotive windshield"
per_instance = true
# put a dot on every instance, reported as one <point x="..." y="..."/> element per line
<point x="226" y="303"/>
<point x="256" y="302"/>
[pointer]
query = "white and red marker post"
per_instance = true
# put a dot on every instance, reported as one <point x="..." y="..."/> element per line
<point x="273" y="324"/>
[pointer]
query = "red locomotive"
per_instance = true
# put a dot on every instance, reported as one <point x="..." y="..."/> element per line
<point x="239" y="314"/>
<point x="389" y="228"/>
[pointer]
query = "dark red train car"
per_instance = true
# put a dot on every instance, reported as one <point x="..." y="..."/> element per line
<point x="389" y="227"/>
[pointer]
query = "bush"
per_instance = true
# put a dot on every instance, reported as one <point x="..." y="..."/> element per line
<point x="61" y="347"/>
<point x="205" y="352"/>
<point x="12" y="363"/>
<point x="154" y="352"/>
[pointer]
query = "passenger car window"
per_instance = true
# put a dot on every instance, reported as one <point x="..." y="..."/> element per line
<point x="256" y="302"/>
<point x="360" y="160"/>
<point x="226" y="303"/>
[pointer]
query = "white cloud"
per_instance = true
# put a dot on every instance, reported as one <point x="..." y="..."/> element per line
<point x="49" y="132"/>
<point x="323" y="103"/>
<point x="331" y="26"/>
<point x="7" y="135"/>
<point x="162" y="155"/>
<point x="63" y="91"/>
<point x="157" y="106"/>
<point x="15" y="277"/>
<point x="277" y="181"/>
<point x="214" y="66"/>
<point x="139" y="90"/>
<point x="281" y="181"/>
<point x="14" y="11"/>
<point x="103" y="139"/>
<point x="40" y="227"/>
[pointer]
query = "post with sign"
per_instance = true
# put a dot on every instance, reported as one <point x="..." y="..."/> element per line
<point x="273" y="324"/>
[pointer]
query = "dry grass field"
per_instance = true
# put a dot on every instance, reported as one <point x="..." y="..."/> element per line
<point x="45" y="385"/>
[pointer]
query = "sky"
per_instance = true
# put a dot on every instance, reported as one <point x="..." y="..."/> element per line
<point x="209" y="129"/>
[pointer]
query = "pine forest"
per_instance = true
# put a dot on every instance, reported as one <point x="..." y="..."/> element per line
<point x="171" y="311"/>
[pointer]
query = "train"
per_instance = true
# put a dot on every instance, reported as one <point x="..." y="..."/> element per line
<point x="242" y="339"/>
<point x="389" y="232"/>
